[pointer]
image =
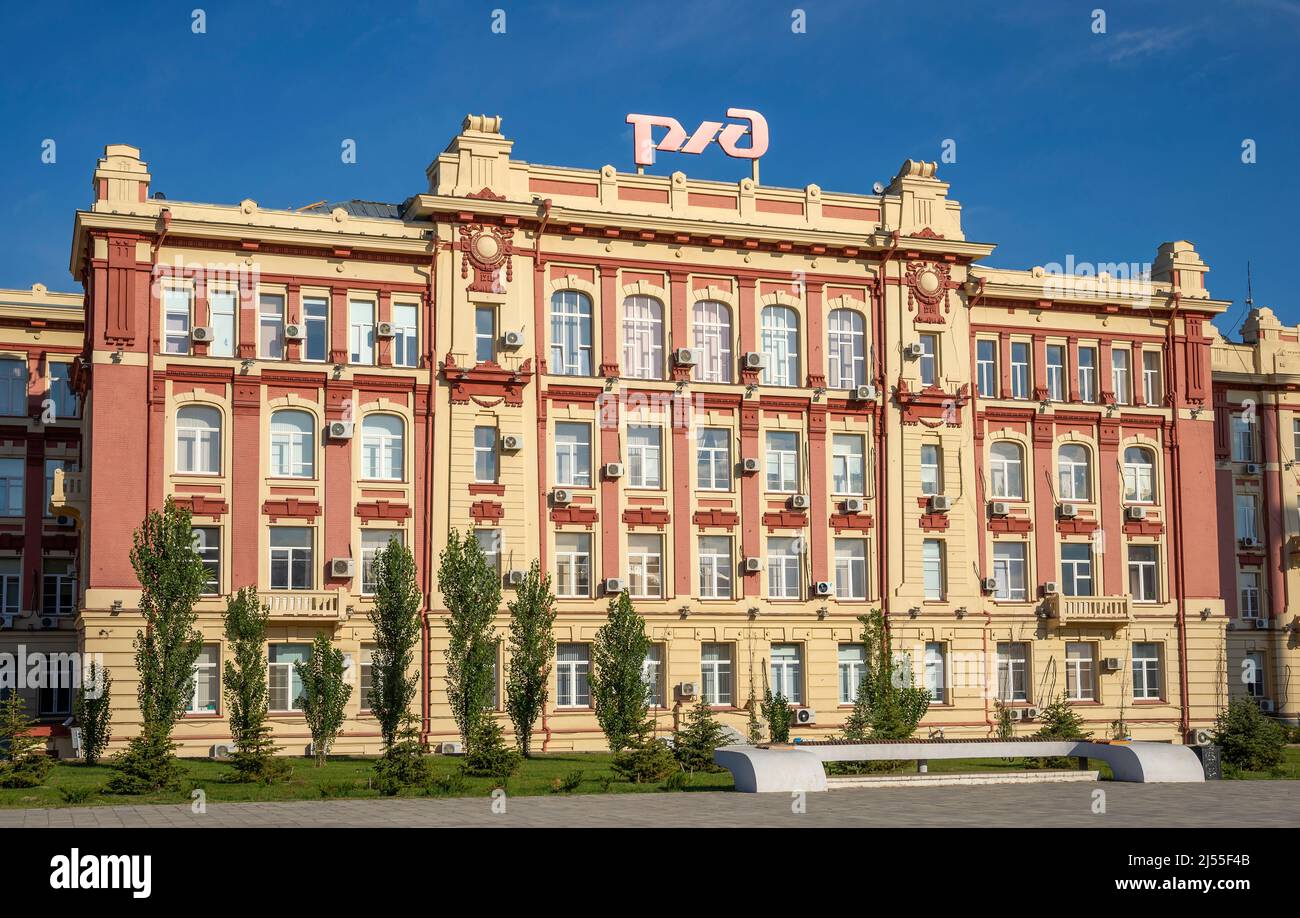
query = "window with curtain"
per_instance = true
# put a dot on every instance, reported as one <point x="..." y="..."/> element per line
<point x="1075" y="472"/>
<point x="643" y="338"/>
<point x="382" y="447"/>
<point x="198" y="440"/>
<point x="846" y="349"/>
<point x="1139" y="475"/>
<point x="571" y="333"/>
<point x="780" y="342"/>
<point x="293" y="444"/>
<point x="712" y="328"/>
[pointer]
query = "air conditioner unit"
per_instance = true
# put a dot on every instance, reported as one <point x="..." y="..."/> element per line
<point x="1261" y="624"/>
<point x="1203" y="737"/>
<point x="1051" y="588"/>
<point x="295" y="332"/>
<point x="753" y="565"/>
<point x="614" y="585"/>
<point x="823" y="588"/>
<point x="342" y="567"/>
<point x="753" y="360"/>
<point x="49" y="623"/>
<point x="561" y="497"/>
<point x="1111" y="664"/>
<point x="687" y="356"/>
<point x="1029" y="714"/>
<point x="1013" y="713"/>
<point x="853" y="504"/>
<point x="1265" y="705"/>
<point x="999" y="508"/>
<point x="1252" y="468"/>
<point x="341" y="430"/>
<point x="799" y="502"/>
<point x="1248" y="542"/>
<point x="804" y="716"/>
<point x="63" y="521"/>
<point x="512" y="339"/>
<point x="989" y="584"/>
<point x="384" y="330"/>
<point x="515" y="578"/>
<point x="1135" y="513"/>
<point x="201" y="333"/>
<point x="688" y="689"/>
<point x="512" y="444"/>
<point x="940" y="503"/>
<point x="221" y="750"/>
<point x="913" y="350"/>
<point x="865" y="393"/>
<point x="451" y="748"/>
<point x="612" y="469"/>
<point x="749" y="466"/>
<point x="6" y="621"/>
<point x="1068" y="511"/>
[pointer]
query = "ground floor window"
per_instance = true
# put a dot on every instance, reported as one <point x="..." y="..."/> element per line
<point x="936" y="672"/>
<point x="286" y="687"/>
<point x="1146" y="671"/>
<point x="59" y="587"/>
<point x="853" y="666"/>
<point x="207" y="681"/>
<point x="715" y="674"/>
<point x="787" y="672"/>
<point x="1080" y="671"/>
<point x="572" y="671"/>
<point x="1013" y="672"/>
<point x="1252" y="674"/>
<point x="652" y="674"/>
<point x="55" y="697"/>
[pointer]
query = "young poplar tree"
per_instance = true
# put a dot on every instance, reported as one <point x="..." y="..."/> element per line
<point x="172" y="579"/>
<point x="245" y="680"/>
<point x="23" y="762"/>
<point x="325" y="694"/>
<point x="395" y="617"/>
<point x="94" y="712"/>
<point x="618" y="689"/>
<point x="471" y="590"/>
<point x="532" y="650"/>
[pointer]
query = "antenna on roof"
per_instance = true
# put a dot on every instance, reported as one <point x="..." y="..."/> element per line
<point x="1250" y="300"/>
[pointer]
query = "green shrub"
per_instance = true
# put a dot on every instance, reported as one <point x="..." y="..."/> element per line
<point x="1060" y="721"/>
<point x="330" y="789"/>
<point x="451" y="785"/>
<point x="645" y="759"/>
<point x="1248" y="740"/>
<point x="567" y="784"/>
<point x="776" y="708"/>
<point x="488" y="755"/>
<point x="77" y="795"/>
<point x="699" y="735"/>
<point x="677" y="781"/>
<point x="404" y="764"/>
<point x="148" y="765"/>
<point x="23" y="762"/>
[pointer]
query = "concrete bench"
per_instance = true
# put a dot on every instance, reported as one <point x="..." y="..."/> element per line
<point x="801" y="767"/>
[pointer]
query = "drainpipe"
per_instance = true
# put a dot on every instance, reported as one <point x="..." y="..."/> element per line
<point x="882" y="461"/>
<point x="539" y="278"/>
<point x="426" y="716"/>
<point x="1178" y="535"/>
<point x="166" y="219"/>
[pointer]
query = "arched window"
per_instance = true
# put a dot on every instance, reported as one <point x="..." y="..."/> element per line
<point x="643" y="337"/>
<point x="1006" y="471"/>
<point x="1139" y="475"/>
<point x="781" y="345"/>
<point x="293" y="444"/>
<point x="570" y="333"/>
<point x="846" y="349"/>
<point x="1074" y="472"/>
<point x="198" y="440"/>
<point x="382" y="450"/>
<point x="712" y="322"/>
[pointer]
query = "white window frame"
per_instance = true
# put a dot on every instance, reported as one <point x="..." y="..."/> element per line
<point x="383" y="452"/>
<point x="223" y="316"/>
<point x="573" y="675"/>
<point x="852" y="667"/>
<point x="573" y="565"/>
<point x="361" y="332"/>
<point x="287" y="557"/>
<point x="1144" y="573"/>
<point x="1139" y="475"/>
<point x="782" y="461"/>
<point x="928" y="365"/>
<point x="204" y="441"/>
<point x="717" y="569"/>
<point x="1011" y="571"/>
<point x="1121" y="374"/>
<point x="851" y="569"/>
<point x="936" y="671"/>
<point x="1248" y="585"/>
<point x="486" y="463"/>
<point x="717" y="673"/>
<point x="374" y="541"/>
<point x="784" y="568"/>
<point x="573" y="458"/>
<point x="1148" y="683"/>
<point x="571" y="334"/>
<point x="1020" y="369"/>
<point x="711" y="329"/>
<point x="1247" y="516"/>
<point x="293" y="449"/>
<point x="1087" y="374"/>
<point x="178" y="303"/>
<point x="1080" y="671"/>
<point x="1243" y="438"/>
<point x="209" y="671"/>
<point x="1056" y="372"/>
<point x="787" y="672"/>
<point x="1152" y="371"/>
<point x="1006" y="470"/>
<point x="986" y="367"/>
<point x="848" y="465"/>
<point x="1013" y="672"/>
<point x="713" y="458"/>
<point x="645" y="456"/>
<point x="406" y="334"/>
<point x="645" y="566"/>
<point x="311" y="319"/>
<point x="1074" y="478"/>
<point x="1077" y="569"/>
<point x="289" y="675"/>
<point x="780" y="342"/>
<point x="931" y="469"/>
<point x="643" y="337"/>
<point x="934" y="574"/>
<point x="846" y="350"/>
<point x="272" y="321"/>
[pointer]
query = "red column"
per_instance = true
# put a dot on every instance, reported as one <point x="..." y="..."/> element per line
<point x="1274" y="519"/>
<point x="33" y="512"/>
<point x="245" y="479"/>
<point x="750" y="511"/>
<point x="247" y="317"/>
<point x="1105" y="375"/>
<point x="1004" y="366"/>
<point x="609" y="312"/>
<point x="816" y="341"/>
<point x="339" y="325"/>
<point x="1038" y="491"/>
<point x="293" y="316"/>
<point x="337" y="541"/>
<point x="820" y="511"/>
<point x="1038" y="363"/>
<point x="1110" y="501"/>
<point x="1072" y="370"/>
<point x="611" y="524"/>
<point x="384" y="346"/>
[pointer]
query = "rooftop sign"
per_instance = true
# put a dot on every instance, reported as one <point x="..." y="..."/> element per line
<point x="676" y="141"/>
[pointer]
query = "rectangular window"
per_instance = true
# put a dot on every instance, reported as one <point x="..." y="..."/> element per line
<point x="291" y="558"/>
<point x="787" y="672"/>
<point x="485" y="334"/>
<point x="645" y="566"/>
<point x="222" y="309"/>
<point x="315" y="325"/>
<point x="1080" y="671"/>
<point x="270" y="326"/>
<point x="1013" y="672"/>
<point x="715" y="674"/>
<point x="1056" y="372"/>
<point x="406" y="328"/>
<point x="644" y="466"/>
<point x="782" y="461"/>
<point x="1146" y="672"/>
<point x="936" y="671"/>
<point x="652" y="675"/>
<point x="573" y="565"/>
<point x="716" y="567"/>
<point x="933" y="566"/>
<point x="55" y="696"/>
<point x="13" y="387"/>
<point x="11" y="585"/>
<point x="1153" y="392"/>
<point x="572" y="673"/>
<point x="207" y="681"/>
<point x="361" y="332"/>
<point x="1253" y="674"/>
<point x="485" y="454"/>
<point x="176" y="320"/>
<point x="1019" y="369"/>
<point x="783" y="579"/>
<point x="1121" y="375"/>
<point x="367" y="680"/>
<point x="207" y="544"/>
<point x="1243" y="438"/>
<point x="570" y="334"/>
<point x="1248" y="581"/>
<point x="572" y="454"/>
<point x="853" y="666"/>
<point x="490" y="545"/>
<point x="59" y="586"/>
<point x="1087" y="374"/>
<point x="713" y="459"/>
<point x="986" y="367"/>
<point x="1142" y="582"/>
<point x="1247" y="517"/>
<point x="850" y="569"/>
<point x="1009" y="571"/>
<point x="1076" y="569"/>
<point x="373" y="541"/>
<point x="929" y="362"/>
<point x="847" y="464"/>
<point x="931" y="471"/>
<point x="285" y="693"/>
<point x="11" y="486"/>
<point x="62" y="398"/>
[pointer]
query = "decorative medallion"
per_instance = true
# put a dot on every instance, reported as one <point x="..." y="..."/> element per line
<point x="488" y="249"/>
<point x="928" y="284"/>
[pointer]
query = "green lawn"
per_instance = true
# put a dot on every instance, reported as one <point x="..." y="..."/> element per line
<point x="1289" y="770"/>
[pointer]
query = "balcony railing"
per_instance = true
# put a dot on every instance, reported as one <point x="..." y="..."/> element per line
<point x="68" y="494"/>
<point x="307" y="605"/>
<point x="1083" y="610"/>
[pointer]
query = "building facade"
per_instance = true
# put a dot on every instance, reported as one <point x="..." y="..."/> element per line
<point x="764" y="412"/>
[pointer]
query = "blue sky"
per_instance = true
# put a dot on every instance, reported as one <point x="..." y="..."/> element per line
<point x="1068" y="142"/>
